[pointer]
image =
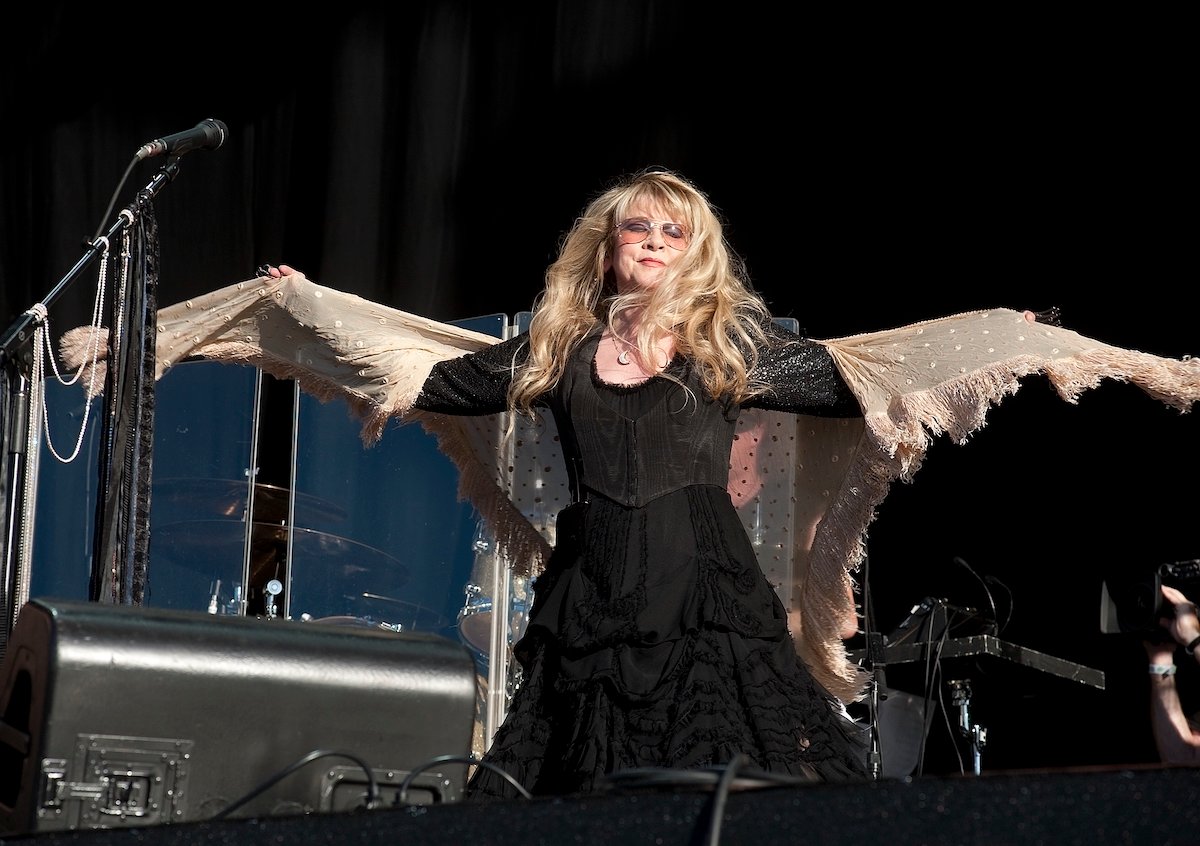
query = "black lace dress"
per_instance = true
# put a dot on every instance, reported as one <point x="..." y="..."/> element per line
<point x="653" y="639"/>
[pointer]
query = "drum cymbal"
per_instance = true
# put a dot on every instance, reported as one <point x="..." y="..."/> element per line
<point x="319" y="559"/>
<point x="408" y="615"/>
<point x="227" y="498"/>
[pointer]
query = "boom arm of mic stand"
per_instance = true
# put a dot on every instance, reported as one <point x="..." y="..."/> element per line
<point x="20" y="330"/>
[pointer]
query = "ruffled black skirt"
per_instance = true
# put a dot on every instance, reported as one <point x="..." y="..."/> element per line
<point x="655" y="641"/>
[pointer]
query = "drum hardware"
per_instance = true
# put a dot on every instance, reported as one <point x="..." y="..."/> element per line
<point x="237" y="604"/>
<point x="409" y="616"/>
<point x="413" y="617"/>
<point x="945" y="650"/>
<point x="350" y="621"/>
<point x="515" y="676"/>
<point x="274" y="588"/>
<point x="489" y="635"/>
<point x="975" y="734"/>
<point x="334" y="566"/>
<point x="475" y="620"/>
<point x="218" y="604"/>
<point x="491" y="581"/>
<point x="478" y="739"/>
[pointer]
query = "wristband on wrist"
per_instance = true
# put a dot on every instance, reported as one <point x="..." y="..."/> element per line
<point x="1162" y="669"/>
<point x="1193" y="643"/>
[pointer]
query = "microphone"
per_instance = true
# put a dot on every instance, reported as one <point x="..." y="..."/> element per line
<point x="919" y="610"/>
<point x="206" y="135"/>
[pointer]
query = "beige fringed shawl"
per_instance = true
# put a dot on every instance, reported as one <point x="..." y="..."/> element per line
<point x="807" y="487"/>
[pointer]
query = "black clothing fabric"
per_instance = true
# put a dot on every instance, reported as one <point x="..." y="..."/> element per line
<point x="653" y="639"/>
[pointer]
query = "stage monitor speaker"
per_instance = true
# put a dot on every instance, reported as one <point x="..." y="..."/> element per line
<point x="121" y="716"/>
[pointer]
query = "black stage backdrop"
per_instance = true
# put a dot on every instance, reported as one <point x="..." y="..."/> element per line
<point x="875" y="169"/>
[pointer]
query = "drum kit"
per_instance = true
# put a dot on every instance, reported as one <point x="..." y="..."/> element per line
<point x="476" y="619"/>
<point x="490" y="634"/>
<point x="492" y="585"/>
<point x="200" y="526"/>
<point x="329" y="579"/>
<point x="329" y="574"/>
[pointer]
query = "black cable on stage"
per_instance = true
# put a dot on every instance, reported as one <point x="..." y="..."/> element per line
<point x="372" y="784"/>
<point x="720" y="797"/>
<point x="402" y="796"/>
<point x="639" y="778"/>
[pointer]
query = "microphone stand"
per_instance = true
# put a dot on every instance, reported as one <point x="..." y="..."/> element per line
<point x="21" y="418"/>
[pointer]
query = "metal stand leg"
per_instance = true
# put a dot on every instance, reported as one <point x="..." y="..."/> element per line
<point x="976" y="734"/>
<point x="875" y="753"/>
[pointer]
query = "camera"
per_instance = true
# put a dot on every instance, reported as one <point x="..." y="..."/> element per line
<point x="1134" y="604"/>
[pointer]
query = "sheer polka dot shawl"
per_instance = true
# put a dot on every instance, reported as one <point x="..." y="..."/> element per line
<point x="807" y="487"/>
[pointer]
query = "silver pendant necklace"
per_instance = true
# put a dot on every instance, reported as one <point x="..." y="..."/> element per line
<point x="622" y="351"/>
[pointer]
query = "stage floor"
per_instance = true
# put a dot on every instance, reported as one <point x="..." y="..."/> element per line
<point x="1150" y="805"/>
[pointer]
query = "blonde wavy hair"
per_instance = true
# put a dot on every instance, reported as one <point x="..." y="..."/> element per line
<point x="704" y="301"/>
